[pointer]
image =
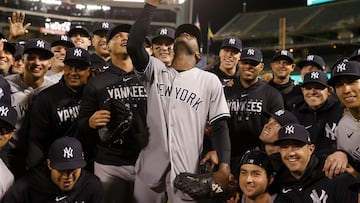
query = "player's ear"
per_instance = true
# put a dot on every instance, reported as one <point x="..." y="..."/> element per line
<point x="198" y="56"/>
<point x="48" y="164"/>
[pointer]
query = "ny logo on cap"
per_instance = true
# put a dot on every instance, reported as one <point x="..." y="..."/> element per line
<point x="289" y="129"/>
<point x="4" y="111"/>
<point x="232" y="41"/>
<point x="163" y="31"/>
<point x="284" y="52"/>
<point x="68" y="152"/>
<point x="250" y="52"/>
<point x="77" y="52"/>
<point x="314" y="75"/>
<point x="279" y="112"/>
<point x="64" y="38"/>
<point x="310" y="58"/>
<point x="40" y="44"/>
<point x="251" y="161"/>
<point x="341" y="67"/>
<point x="105" y="25"/>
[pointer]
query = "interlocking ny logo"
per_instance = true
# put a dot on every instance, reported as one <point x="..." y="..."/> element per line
<point x="163" y="31"/>
<point x="341" y="67"/>
<point x="40" y="44"/>
<point x="315" y="75"/>
<point x="315" y="197"/>
<point x="284" y="53"/>
<point x="250" y="52"/>
<point x="310" y="58"/>
<point x="63" y="38"/>
<point x="4" y="111"/>
<point x="77" y="52"/>
<point x="105" y="25"/>
<point x="68" y="152"/>
<point x="289" y="129"/>
<point x="232" y="41"/>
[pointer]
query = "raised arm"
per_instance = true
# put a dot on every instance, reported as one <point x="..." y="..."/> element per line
<point x="137" y="35"/>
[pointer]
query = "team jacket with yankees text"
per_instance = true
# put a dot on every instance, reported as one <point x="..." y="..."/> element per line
<point x="117" y="84"/>
<point x="315" y="187"/>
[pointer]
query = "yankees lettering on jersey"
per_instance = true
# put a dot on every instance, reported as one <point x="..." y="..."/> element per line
<point x="182" y="94"/>
<point x="69" y="113"/>
<point x="253" y="106"/>
<point x="120" y="92"/>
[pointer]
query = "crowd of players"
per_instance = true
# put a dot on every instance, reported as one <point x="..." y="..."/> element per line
<point x="282" y="141"/>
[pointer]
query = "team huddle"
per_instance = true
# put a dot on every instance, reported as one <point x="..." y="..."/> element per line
<point x="141" y="120"/>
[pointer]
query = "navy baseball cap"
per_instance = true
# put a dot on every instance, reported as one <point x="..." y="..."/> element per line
<point x="345" y="69"/>
<point x="8" y="115"/>
<point x="66" y="153"/>
<point x="252" y="53"/>
<point x="232" y="42"/>
<point x="315" y="60"/>
<point x="190" y="29"/>
<point x="293" y="131"/>
<point x="318" y="77"/>
<point x="259" y="158"/>
<point x="283" y="54"/>
<point x="19" y="51"/>
<point x="77" y="55"/>
<point x="78" y="29"/>
<point x="164" y="32"/>
<point x="282" y="116"/>
<point x="102" y="27"/>
<point x="119" y="28"/>
<point x="355" y="55"/>
<point x="38" y="45"/>
<point x="63" y="40"/>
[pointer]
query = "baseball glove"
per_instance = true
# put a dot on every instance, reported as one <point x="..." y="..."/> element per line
<point x="120" y="121"/>
<point x="204" y="186"/>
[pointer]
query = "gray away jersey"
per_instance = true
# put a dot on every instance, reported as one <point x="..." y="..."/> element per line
<point x="179" y="105"/>
<point x="348" y="135"/>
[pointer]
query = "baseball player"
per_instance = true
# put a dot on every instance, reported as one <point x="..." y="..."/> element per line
<point x="163" y="44"/>
<point x="6" y="55"/>
<point x="282" y="66"/>
<point x="345" y="79"/>
<point x="227" y="68"/>
<point x="311" y="62"/>
<point x="306" y="182"/>
<point x="62" y="179"/>
<point x="321" y="112"/>
<point x="8" y="118"/>
<point x="100" y="60"/>
<point x="56" y="108"/>
<point x="59" y="46"/>
<point x="248" y="98"/>
<point x="181" y="99"/>
<point x="80" y="36"/>
<point x="24" y="87"/>
<point x="115" y="156"/>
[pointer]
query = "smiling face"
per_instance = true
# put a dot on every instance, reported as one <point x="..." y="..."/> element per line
<point x="348" y="91"/>
<point x="269" y="133"/>
<point x="163" y="49"/>
<point x="59" y="51"/>
<point x="76" y="75"/>
<point x="253" y="181"/>
<point x="229" y="59"/>
<point x="6" y="60"/>
<point x="36" y="64"/>
<point x="249" y="71"/>
<point x="80" y="40"/>
<point x="315" y="95"/>
<point x="100" y="44"/>
<point x="282" y="68"/>
<point x="64" y="179"/>
<point x="296" y="156"/>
